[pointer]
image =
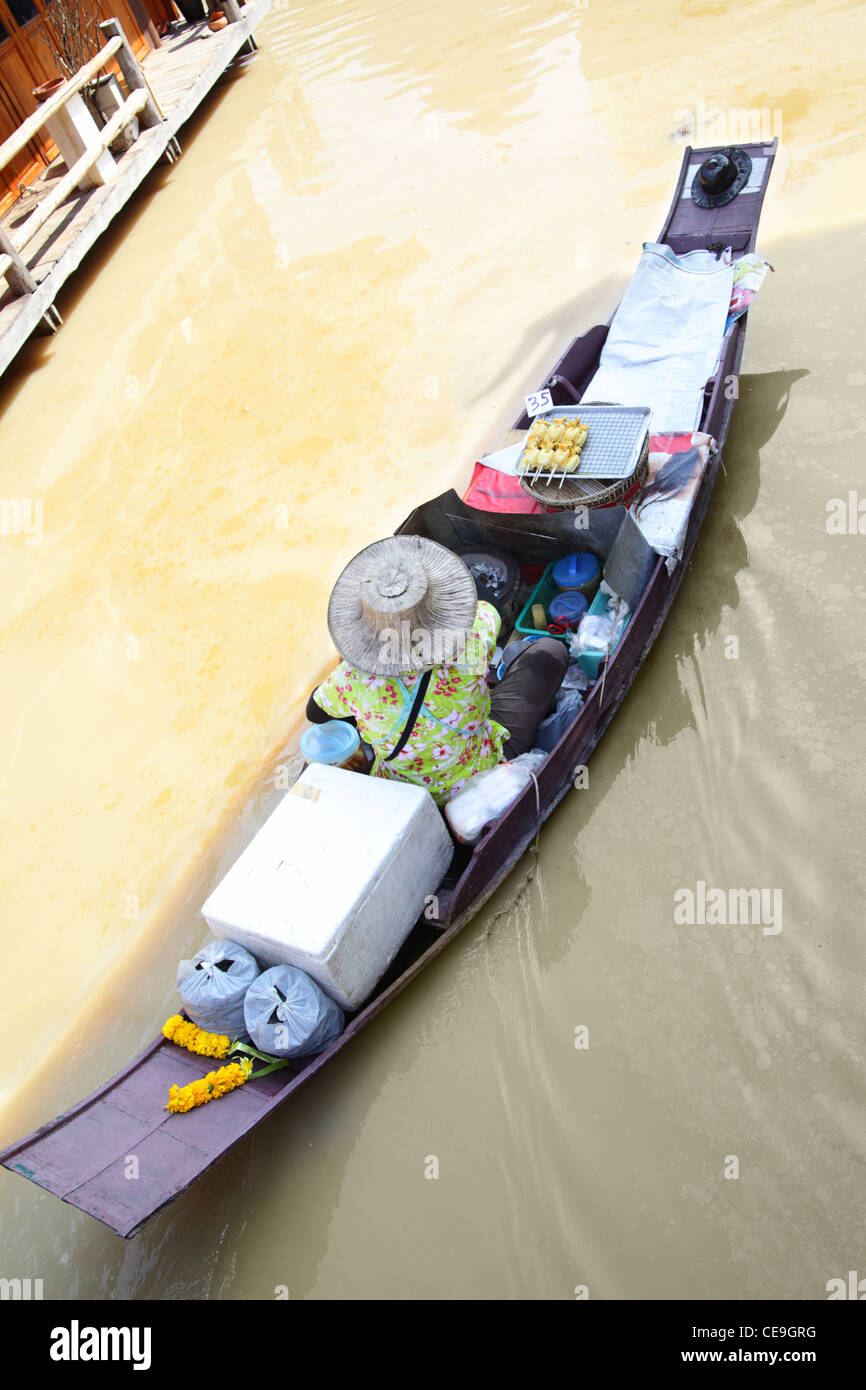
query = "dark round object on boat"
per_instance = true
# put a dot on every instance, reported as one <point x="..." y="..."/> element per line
<point x="496" y="573"/>
<point x="720" y="177"/>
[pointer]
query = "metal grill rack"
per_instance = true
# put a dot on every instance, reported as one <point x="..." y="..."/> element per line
<point x="614" y="443"/>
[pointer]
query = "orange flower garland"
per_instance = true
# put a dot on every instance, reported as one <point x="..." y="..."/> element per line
<point x="217" y="1083"/>
<point x="185" y="1034"/>
<point x="210" y="1087"/>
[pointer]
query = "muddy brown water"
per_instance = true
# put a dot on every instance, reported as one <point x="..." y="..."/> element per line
<point x="381" y="233"/>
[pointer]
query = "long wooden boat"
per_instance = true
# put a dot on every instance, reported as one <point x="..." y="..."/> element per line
<point x="81" y="1155"/>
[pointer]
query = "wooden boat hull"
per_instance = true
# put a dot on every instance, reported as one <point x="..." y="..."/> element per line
<point x="82" y="1155"/>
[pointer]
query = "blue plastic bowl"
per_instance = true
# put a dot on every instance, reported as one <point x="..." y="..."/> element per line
<point x="332" y="743"/>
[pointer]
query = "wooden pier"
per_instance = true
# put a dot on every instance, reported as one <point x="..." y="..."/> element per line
<point x="48" y="231"/>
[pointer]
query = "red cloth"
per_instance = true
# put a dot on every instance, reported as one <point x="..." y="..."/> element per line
<point x="669" y="443"/>
<point x="492" y="491"/>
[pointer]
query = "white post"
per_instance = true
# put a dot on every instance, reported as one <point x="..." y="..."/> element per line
<point x="20" y="281"/>
<point x="63" y="187"/>
<point x="232" y="11"/>
<point x="18" y="276"/>
<point x="73" y="129"/>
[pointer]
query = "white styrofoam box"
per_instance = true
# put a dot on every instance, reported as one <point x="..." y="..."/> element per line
<point x="335" y="879"/>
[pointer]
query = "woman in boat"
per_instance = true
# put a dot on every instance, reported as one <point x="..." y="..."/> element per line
<point x="416" y="644"/>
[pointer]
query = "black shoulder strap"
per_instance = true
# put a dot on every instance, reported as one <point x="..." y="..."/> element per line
<point x="413" y="715"/>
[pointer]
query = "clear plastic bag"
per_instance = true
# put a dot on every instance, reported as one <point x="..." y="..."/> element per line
<point x="212" y="986"/>
<point x="488" y="795"/>
<point x="550" y="730"/>
<point x="575" y="677"/>
<point x="600" y="632"/>
<point x="288" y="1015"/>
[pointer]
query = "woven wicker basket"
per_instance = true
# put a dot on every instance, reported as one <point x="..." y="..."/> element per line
<point x="591" y="492"/>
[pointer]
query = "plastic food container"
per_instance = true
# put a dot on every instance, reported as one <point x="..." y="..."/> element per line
<point x="544" y="593"/>
<point x="570" y="605"/>
<point x="581" y="571"/>
<point x="336" y="744"/>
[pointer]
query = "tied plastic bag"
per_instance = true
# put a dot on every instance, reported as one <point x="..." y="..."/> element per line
<point x="488" y="795"/>
<point x="212" y="986"/>
<point x="288" y="1015"/>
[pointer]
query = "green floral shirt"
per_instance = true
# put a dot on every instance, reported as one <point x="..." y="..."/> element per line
<point x="454" y="735"/>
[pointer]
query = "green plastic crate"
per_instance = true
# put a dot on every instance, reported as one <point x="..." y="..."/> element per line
<point x="544" y="591"/>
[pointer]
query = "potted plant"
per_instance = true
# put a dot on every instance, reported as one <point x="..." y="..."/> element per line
<point x="47" y="89"/>
<point x="70" y="31"/>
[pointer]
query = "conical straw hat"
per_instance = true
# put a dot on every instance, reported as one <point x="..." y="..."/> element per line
<point x="403" y="604"/>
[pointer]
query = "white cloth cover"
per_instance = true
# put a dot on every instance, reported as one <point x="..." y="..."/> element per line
<point x="664" y="341"/>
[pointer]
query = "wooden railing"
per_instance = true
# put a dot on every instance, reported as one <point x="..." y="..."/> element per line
<point x="140" y="103"/>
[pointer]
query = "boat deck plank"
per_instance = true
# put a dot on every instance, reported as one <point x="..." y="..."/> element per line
<point x="66" y="1157"/>
<point x="84" y="1158"/>
<point x="123" y="1195"/>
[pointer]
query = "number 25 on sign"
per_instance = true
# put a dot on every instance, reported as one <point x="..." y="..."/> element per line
<point x="540" y="400"/>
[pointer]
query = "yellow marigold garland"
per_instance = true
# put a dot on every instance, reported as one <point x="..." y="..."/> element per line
<point x="185" y="1034"/>
<point x="210" y="1087"/>
<point x="217" y="1083"/>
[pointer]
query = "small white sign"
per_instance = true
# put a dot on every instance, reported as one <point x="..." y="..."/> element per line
<point x="538" y="401"/>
